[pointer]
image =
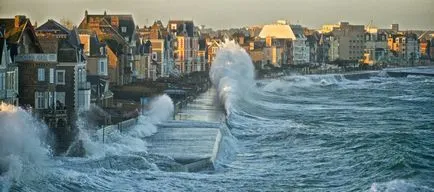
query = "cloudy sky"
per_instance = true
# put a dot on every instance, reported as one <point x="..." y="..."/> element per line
<point x="410" y="14"/>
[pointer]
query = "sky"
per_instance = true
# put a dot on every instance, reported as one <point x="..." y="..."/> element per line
<point x="218" y="14"/>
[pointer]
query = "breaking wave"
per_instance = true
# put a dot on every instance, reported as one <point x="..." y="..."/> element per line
<point x="232" y="73"/>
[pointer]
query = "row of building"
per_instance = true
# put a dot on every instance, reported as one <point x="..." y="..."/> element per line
<point x="51" y="67"/>
<point x="280" y="44"/>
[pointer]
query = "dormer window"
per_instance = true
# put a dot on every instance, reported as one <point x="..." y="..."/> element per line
<point x="101" y="50"/>
<point x="124" y="29"/>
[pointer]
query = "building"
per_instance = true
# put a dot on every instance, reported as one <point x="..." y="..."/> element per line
<point x="431" y="47"/>
<point x="289" y="38"/>
<point x="186" y="46"/>
<point x="212" y="48"/>
<point x="350" y="39"/>
<point x="404" y="46"/>
<point x="8" y="73"/>
<point x="201" y="56"/>
<point x="119" y="33"/>
<point x="376" y="50"/>
<point x="72" y="88"/>
<point x="144" y="65"/>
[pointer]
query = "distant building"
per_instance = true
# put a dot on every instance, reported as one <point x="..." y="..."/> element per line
<point x="187" y="44"/>
<point x="212" y="50"/>
<point x="404" y="46"/>
<point x="289" y="38"/>
<point x="350" y="41"/>
<point x="376" y="51"/>
<point x="431" y="47"/>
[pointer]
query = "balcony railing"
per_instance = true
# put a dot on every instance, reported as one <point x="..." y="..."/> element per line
<point x="36" y="57"/>
<point x="53" y="112"/>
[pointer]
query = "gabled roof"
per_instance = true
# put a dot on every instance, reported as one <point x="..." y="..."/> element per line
<point x="69" y="48"/>
<point x="53" y="27"/>
<point x="121" y="20"/>
<point x="298" y="31"/>
<point x="14" y="34"/>
<point x="95" y="45"/>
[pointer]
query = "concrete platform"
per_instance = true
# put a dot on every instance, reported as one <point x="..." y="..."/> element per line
<point x="194" y="147"/>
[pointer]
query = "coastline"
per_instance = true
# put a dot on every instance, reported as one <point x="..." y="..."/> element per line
<point x="280" y="72"/>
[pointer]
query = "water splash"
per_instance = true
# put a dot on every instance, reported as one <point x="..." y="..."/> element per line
<point x="23" y="144"/>
<point x="232" y="72"/>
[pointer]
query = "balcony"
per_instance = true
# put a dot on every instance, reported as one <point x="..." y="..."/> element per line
<point x="84" y="86"/>
<point x="36" y="57"/>
<point x="55" y="113"/>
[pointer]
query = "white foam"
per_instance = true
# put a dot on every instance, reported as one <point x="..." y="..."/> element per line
<point x="22" y="143"/>
<point x="232" y="72"/>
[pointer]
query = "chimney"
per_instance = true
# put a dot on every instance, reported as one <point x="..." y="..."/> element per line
<point x="105" y="13"/>
<point x="18" y="20"/>
<point x="85" y="16"/>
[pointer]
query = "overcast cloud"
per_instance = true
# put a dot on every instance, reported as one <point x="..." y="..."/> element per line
<point x="410" y="14"/>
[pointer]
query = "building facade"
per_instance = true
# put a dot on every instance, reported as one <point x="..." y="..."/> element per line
<point x="350" y="39"/>
<point x="8" y="74"/>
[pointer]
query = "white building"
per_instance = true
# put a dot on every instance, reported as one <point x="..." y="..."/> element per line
<point x="294" y="33"/>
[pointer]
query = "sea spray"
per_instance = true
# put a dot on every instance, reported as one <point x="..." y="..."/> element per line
<point x="23" y="144"/>
<point x="232" y="72"/>
<point x="160" y="109"/>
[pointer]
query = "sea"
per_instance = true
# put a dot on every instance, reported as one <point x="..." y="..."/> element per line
<point x="293" y="133"/>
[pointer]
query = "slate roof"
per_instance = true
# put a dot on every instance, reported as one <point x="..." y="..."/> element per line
<point x="95" y="45"/>
<point x="124" y="21"/>
<point x="298" y="31"/>
<point x="143" y="46"/>
<point x="69" y="48"/>
<point x="53" y="27"/>
<point x="189" y="27"/>
<point x="13" y="34"/>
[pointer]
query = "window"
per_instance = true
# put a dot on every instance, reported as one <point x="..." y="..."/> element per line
<point x="40" y="100"/>
<point x="124" y="29"/>
<point x="2" y="81"/>
<point x="60" y="74"/>
<point x="154" y="56"/>
<point x="60" y="99"/>
<point x="41" y="74"/>
<point x="51" y="75"/>
<point x="173" y="26"/>
<point x="10" y="77"/>
<point x="101" y="50"/>
<point x="102" y="67"/>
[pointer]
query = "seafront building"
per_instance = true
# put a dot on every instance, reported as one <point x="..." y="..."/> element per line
<point x="285" y="44"/>
<point x="8" y="73"/>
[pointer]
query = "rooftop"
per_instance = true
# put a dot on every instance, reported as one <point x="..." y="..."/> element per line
<point x="277" y="31"/>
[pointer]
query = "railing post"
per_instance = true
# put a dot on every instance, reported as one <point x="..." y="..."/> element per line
<point x="103" y="134"/>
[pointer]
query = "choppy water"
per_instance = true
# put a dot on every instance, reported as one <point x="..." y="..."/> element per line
<point x="297" y="133"/>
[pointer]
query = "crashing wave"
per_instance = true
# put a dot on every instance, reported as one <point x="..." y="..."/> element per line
<point x="232" y="72"/>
